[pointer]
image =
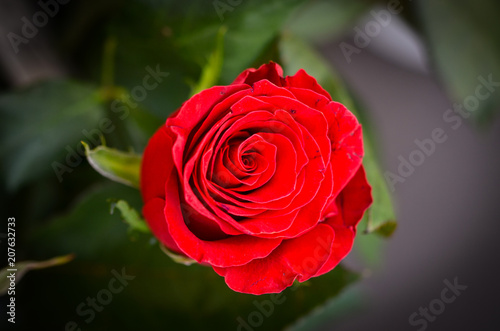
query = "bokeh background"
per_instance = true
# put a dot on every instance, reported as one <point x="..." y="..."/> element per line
<point x="59" y="80"/>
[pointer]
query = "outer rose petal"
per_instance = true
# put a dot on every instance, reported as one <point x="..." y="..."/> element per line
<point x="356" y="198"/>
<point x="154" y="214"/>
<point x="347" y="144"/>
<point x="309" y="97"/>
<point x="352" y="203"/>
<point x="303" y="80"/>
<point x="153" y="171"/>
<point x="299" y="258"/>
<point x="270" y="71"/>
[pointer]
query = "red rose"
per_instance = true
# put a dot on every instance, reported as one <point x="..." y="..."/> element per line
<point x="261" y="180"/>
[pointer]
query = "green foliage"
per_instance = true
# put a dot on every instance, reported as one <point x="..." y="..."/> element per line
<point x="317" y="21"/>
<point x="130" y="216"/>
<point x="212" y="70"/>
<point x="88" y="229"/>
<point x="345" y="305"/>
<point x="297" y="54"/>
<point x="38" y="123"/>
<point x="380" y="217"/>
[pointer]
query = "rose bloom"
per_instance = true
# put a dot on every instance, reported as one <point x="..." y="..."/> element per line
<point x="261" y="180"/>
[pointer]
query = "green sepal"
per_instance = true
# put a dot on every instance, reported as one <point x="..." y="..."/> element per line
<point x="121" y="167"/>
<point x="177" y="257"/>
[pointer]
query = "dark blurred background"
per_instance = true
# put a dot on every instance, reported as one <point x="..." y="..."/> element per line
<point x="61" y="78"/>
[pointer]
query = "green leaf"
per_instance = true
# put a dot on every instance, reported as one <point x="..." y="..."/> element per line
<point x="21" y="268"/>
<point x="464" y="42"/>
<point x="251" y="25"/>
<point x="380" y="217"/>
<point x="130" y="216"/>
<point x="370" y="249"/>
<point x="211" y="72"/>
<point x="41" y="124"/>
<point x="316" y="21"/>
<point x="297" y="54"/>
<point x="146" y="60"/>
<point x="336" y="309"/>
<point x="178" y="40"/>
<point x="88" y="230"/>
<point x="114" y="164"/>
<point x="141" y="125"/>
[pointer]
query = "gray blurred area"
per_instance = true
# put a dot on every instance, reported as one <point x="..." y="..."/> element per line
<point x="37" y="60"/>
<point x="447" y="209"/>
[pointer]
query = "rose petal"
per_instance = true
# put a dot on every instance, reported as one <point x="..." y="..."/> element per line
<point x="352" y="203"/>
<point x="284" y="180"/>
<point x="215" y="118"/>
<point x="303" y="80"/>
<point x="154" y="168"/>
<point x="270" y="71"/>
<point x="266" y="88"/>
<point x="268" y="225"/>
<point x="250" y="104"/>
<point x="153" y="212"/>
<point x="354" y="199"/>
<point x="222" y="253"/>
<point x="313" y="120"/>
<point x="310" y="98"/>
<point x="311" y="213"/>
<point x="313" y="176"/>
<point x="342" y="245"/>
<point x="347" y="144"/>
<point x="195" y="111"/>
<point x="299" y="258"/>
